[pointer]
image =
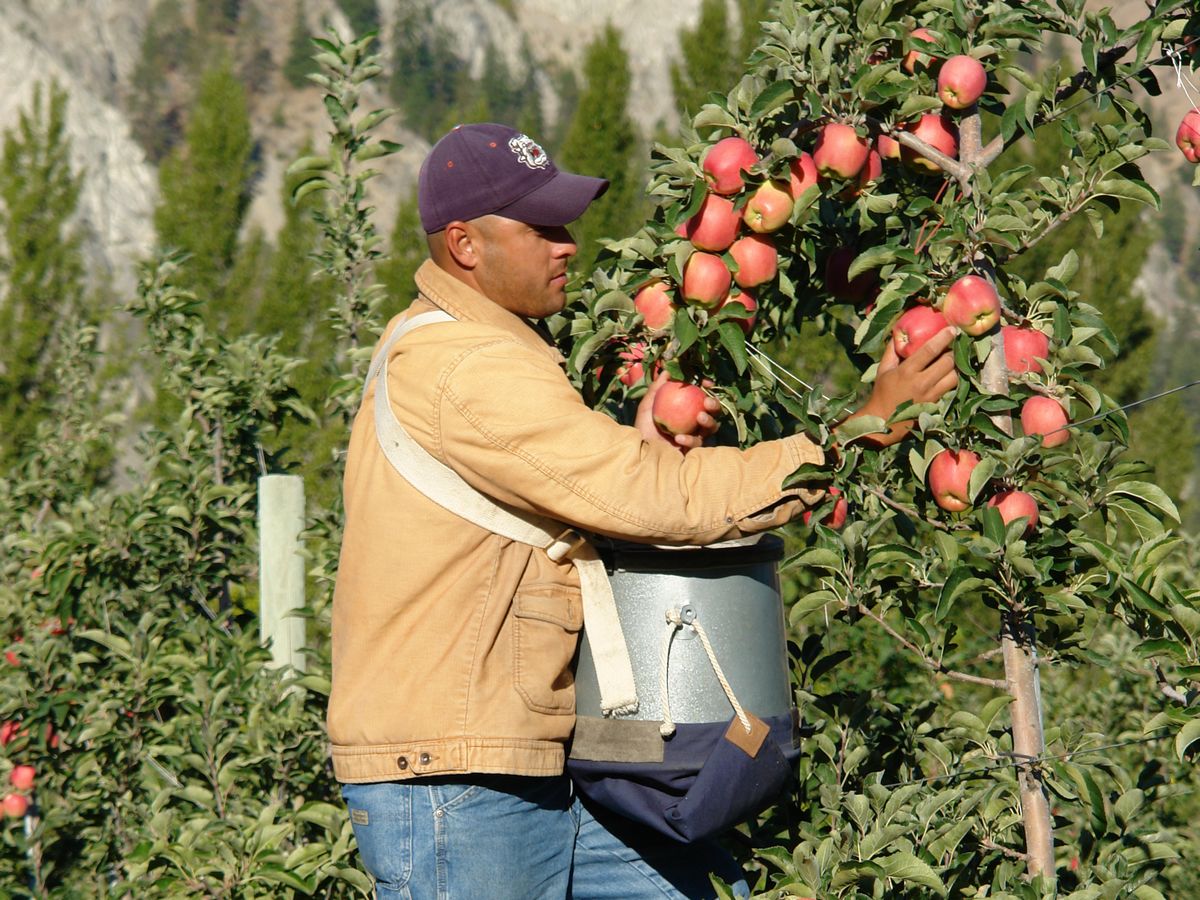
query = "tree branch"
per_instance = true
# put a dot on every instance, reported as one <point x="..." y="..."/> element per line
<point x="911" y="513"/>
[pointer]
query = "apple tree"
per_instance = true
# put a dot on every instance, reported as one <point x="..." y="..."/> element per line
<point x="854" y="180"/>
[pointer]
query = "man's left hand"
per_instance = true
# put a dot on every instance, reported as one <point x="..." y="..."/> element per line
<point x="682" y="442"/>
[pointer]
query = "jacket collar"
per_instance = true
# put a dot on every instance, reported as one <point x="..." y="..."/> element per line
<point x="466" y="304"/>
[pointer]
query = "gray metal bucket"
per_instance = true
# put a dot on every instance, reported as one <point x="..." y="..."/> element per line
<point x="734" y="594"/>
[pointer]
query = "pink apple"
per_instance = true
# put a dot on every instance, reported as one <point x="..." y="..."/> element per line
<point x="1015" y="504"/>
<point x="887" y="146"/>
<point x="677" y="406"/>
<point x="706" y="280"/>
<point x="837" y="270"/>
<point x="914" y="328"/>
<point x="654" y="302"/>
<point x="837" y="516"/>
<point x="632" y="370"/>
<point x="22" y="777"/>
<point x="1045" y="416"/>
<point x="802" y="174"/>
<point x="724" y="163"/>
<point x="756" y="259"/>
<point x="872" y="170"/>
<point x="936" y="131"/>
<point x="950" y="478"/>
<point x="15" y="805"/>
<point x="972" y="304"/>
<point x="961" y="81"/>
<point x="746" y="299"/>
<point x="715" y="225"/>
<point x="839" y="151"/>
<point x="918" y="57"/>
<point x="1023" y="347"/>
<point x="1187" y="138"/>
<point x="768" y="208"/>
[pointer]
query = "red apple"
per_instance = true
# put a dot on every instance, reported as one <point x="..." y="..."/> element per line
<point x="756" y="259"/>
<point x="839" y="151"/>
<point x="1015" y="504"/>
<point x="1023" y="347"/>
<point x="715" y="225"/>
<point x="706" y="280"/>
<point x="1045" y="416"/>
<point x="768" y="208"/>
<point x="677" y="406"/>
<point x="15" y="805"/>
<point x="1187" y="138"/>
<point x="961" y="81"/>
<point x="972" y="304"/>
<point x="21" y="777"/>
<point x="8" y="732"/>
<point x="837" y="270"/>
<point x="872" y="170"/>
<point x="887" y="146"/>
<point x="747" y="300"/>
<point x="837" y="516"/>
<point x="916" y="57"/>
<point x="802" y="174"/>
<point x="914" y="328"/>
<point x="724" y="163"/>
<point x="936" y="131"/>
<point x="653" y="301"/>
<point x="631" y="371"/>
<point x="950" y="477"/>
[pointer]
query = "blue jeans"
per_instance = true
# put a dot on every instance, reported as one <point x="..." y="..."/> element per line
<point x="517" y="838"/>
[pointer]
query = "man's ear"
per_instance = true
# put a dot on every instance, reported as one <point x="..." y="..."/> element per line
<point x="460" y="243"/>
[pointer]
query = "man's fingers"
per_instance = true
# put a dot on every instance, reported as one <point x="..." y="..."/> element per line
<point x="934" y="347"/>
<point x="945" y="384"/>
<point x="890" y="358"/>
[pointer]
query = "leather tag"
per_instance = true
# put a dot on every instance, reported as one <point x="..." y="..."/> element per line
<point x="749" y="743"/>
<point x="360" y="817"/>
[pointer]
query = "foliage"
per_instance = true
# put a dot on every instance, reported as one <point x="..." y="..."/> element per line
<point x="601" y="140"/>
<point x="362" y="15"/>
<point x="170" y="48"/>
<point x="961" y="595"/>
<point x="40" y="262"/>
<point x="407" y="249"/>
<point x="300" y="64"/>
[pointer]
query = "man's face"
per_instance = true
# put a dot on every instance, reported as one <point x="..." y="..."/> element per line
<point x="523" y="268"/>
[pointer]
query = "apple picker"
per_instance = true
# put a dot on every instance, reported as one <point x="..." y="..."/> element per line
<point x="477" y="484"/>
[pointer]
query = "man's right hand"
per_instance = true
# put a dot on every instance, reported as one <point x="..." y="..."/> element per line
<point x="922" y="378"/>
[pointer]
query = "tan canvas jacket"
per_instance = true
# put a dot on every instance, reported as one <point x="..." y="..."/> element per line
<point x="451" y="645"/>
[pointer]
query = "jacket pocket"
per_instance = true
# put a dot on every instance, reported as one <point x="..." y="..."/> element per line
<point x="546" y="623"/>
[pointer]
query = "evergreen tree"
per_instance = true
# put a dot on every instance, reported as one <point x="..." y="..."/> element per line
<point x="406" y="253"/>
<point x="427" y="77"/>
<point x="363" y="15"/>
<point x="205" y="188"/>
<point x="706" y="63"/>
<point x="601" y="140"/>
<point x="169" y="46"/>
<point x="300" y="63"/>
<point x="751" y="13"/>
<point x="42" y="266"/>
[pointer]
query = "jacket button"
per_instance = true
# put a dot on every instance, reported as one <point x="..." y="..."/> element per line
<point x="402" y="763"/>
<point x="426" y="759"/>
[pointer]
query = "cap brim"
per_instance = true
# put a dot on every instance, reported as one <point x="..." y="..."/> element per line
<point x="560" y="201"/>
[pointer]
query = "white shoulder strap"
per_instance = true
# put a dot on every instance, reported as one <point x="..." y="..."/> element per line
<point x="445" y="487"/>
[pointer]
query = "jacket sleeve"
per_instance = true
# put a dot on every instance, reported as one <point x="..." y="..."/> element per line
<point x="512" y="425"/>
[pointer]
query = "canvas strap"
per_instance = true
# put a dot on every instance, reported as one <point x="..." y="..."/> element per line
<point x="445" y="487"/>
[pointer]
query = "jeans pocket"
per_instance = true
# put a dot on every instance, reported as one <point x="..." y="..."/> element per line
<point x="381" y="815"/>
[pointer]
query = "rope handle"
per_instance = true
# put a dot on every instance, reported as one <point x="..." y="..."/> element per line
<point x="678" y="618"/>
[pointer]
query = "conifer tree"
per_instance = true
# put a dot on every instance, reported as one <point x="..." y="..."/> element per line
<point x="205" y="188"/>
<point x="41" y="267"/>
<point x="706" y="63"/>
<point x="406" y="252"/>
<point x="601" y="140"/>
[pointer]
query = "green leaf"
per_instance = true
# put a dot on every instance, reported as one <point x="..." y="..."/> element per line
<point x="1187" y="736"/>
<point x="775" y="96"/>
<point x="960" y="582"/>
<point x="1148" y="493"/>
<point x="733" y="339"/>
<point x="906" y="867"/>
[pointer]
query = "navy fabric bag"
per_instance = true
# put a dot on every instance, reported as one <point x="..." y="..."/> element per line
<point x="704" y="783"/>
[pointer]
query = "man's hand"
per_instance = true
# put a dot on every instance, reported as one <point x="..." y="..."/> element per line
<point x="682" y="442"/>
<point x="922" y="378"/>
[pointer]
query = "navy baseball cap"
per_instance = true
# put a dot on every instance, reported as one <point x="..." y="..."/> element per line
<point x="488" y="169"/>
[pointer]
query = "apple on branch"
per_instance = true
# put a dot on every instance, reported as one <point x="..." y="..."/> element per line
<point x="837" y="516"/>
<point x="746" y="299"/>
<point x="756" y="258"/>
<point x="706" y="280"/>
<point x="802" y="174"/>
<point x="655" y="304"/>
<point x="1013" y="505"/>
<point x="715" y="224"/>
<point x="1023" y="347"/>
<point x="972" y="304"/>
<point x="939" y="133"/>
<point x="15" y="805"/>
<point x="1047" y="417"/>
<point x="917" y="57"/>
<point x="961" y="81"/>
<point x="839" y="151"/>
<point x="768" y="208"/>
<point x="724" y="163"/>
<point x="22" y="777"/>
<point x="950" y="478"/>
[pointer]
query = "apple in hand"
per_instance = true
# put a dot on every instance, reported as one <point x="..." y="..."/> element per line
<point x="677" y="407"/>
<point x="961" y="81"/>
<point x="756" y="259"/>
<point x="972" y="304"/>
<point x="950" y="477"/>
<point x="1015" y="504"/>
<point x="1023" y="347"/>
<point x="654" y="303"/>
<point x="715" y="224"/>
<point x="724" y="163"/>
<point x="747" y="300"/>
<point x="1045" y="416"/>
<point x="916" y="57"/>
<point x="839" y="151"/>
<point x="1187" y="138"/>
<point x="936" y="131"/>
<point x="837" y="517"/>
<point x="914" y="328"/>
<point x="768" y="208"/>
<point x="706" y="280"/>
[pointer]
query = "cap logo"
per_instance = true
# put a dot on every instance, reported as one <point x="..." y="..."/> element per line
<point x="528" y="152"/>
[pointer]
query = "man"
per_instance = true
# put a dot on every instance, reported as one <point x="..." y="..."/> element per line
<point x="452" y="697"/>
